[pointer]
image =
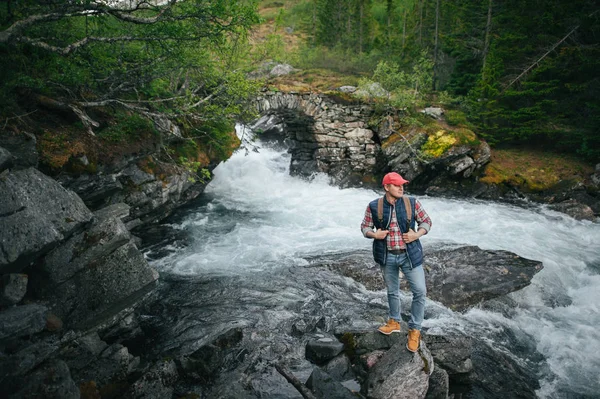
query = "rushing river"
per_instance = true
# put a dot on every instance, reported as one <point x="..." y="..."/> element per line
<point x="255" y="217"/>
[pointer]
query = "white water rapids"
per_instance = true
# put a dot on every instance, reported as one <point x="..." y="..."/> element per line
<point x="261" y="217"/>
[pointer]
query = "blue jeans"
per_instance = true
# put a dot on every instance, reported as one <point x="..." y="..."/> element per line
<point x="416" y="279"/>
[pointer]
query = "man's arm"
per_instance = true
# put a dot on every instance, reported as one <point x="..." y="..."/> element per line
<point x="367" y="227"/>
<point x="423" y="223"/>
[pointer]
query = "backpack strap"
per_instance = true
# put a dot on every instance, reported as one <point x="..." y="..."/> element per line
<point x="408" y="211"/>
<point x="380" y="211"/>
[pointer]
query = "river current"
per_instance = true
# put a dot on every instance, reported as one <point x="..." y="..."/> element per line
<point x="254" y="217"/>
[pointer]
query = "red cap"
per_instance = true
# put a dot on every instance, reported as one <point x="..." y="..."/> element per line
<point x="394" y="178"/>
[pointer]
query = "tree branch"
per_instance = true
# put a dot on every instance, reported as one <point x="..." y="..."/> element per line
<point x="304" y="391"/>
<point x="537" y="62"/>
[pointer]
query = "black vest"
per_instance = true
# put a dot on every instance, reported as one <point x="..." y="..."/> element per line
<point x="414" y="249"/>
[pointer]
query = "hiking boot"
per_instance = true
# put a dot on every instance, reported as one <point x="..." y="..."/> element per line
<point x="391" y="327"/>
<point x="414" y="338"/>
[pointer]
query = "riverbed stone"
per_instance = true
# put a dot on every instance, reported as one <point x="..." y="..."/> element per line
<point x="323" y="385"/>
<point x="22" y="320"/>
<point x="51" y="381"/>
<point x="574" y="209"/>
<point x="400" y="373"/>
<point x="36" y="214"/>
<point x="103" y="238"/>
<point x="156" y="383"/>
<point x="22" y="147"/>
<point x="13" y="287"/>
<point x="438" y="384"/>
<point x="119" y="211"/>
<point x="320" y="350"/>
<point x="452" y="352"/>
<point x="465" y="276"/>
<point x="112" y="282"/>
<point x="6" y="159"/>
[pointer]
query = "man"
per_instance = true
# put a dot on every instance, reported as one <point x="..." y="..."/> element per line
<point x="396" y="247"/>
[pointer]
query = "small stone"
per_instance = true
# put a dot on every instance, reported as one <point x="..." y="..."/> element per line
<point x="53" y="322"/>
<point x="12" y="288"/>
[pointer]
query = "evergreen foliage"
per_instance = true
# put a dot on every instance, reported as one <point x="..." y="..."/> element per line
<point x="179" y="60"/>
<point x="527" y="69"/>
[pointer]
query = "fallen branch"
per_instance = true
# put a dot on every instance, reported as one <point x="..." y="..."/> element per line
<point x="537" y="62"/>
<point x="304" y="391"/>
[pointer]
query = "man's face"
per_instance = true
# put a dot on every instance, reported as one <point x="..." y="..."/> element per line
<point x="394" y="190"/>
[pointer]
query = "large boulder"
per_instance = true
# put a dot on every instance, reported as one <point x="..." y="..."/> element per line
<point x="458" y="277"/>
<point x="462" y="277"/>
<point x="22" y="148"/>
<point x="102" y="288"/>
<point x="400" y="373"/>
<point x="36" y="213"/>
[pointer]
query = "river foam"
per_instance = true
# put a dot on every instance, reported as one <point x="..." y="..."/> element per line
<point x="258" y="216"/>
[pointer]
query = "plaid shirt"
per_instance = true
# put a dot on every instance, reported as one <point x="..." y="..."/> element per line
<point x="394" y="237"/>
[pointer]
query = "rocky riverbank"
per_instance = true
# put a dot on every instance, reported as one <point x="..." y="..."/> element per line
<point x="82" y="314"/>
<point x="74" y="322"/>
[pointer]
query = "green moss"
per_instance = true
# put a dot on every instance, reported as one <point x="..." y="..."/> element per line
<point x="438" y="143"/>
<point x="349" y="344"/>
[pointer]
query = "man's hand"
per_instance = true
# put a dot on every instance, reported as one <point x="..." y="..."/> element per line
<point x="380" y="234"/>
<point x="411" y="236"/>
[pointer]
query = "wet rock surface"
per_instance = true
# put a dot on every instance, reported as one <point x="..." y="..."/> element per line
<point x="458" y="277"/>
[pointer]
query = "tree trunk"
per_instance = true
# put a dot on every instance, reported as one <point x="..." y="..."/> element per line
<point x="389" y="24"/>
<point x="404" y="31"/>
<point x="360" y="25"/>
<point x="436" y="40"/>
<point x="421" y="22"/>
<point x="314" y="23"/>
<point x="486" y="42"/>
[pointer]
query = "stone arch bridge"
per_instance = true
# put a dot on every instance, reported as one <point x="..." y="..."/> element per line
<point x="323" y="135"/>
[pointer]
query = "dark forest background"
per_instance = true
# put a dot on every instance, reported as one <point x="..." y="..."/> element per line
<point x="519" y="73"/>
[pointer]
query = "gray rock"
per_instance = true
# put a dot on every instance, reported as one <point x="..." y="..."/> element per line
<point x="51" y="381"/>
<point x="80" y="352"/>
<point x="23" y="361"/>
<point x="372" y="340"/>
<point x="321" y="350"/>
<point x="323" y="386"/>
<point x="372" y="90"/>
<point x="111" y="366"/>
<point x="22" y="147"/>
<point x="434" y="112"/>
<point x="451" y="352"/>
<point x="464" y="165"/>
<point x="439" y="384"/>
<point x="12" y="288"/>
<point x="111" y="284"/>
<point x="156" y="383"/>
<point x="458" y="277"/>
<point x="281" y="69"/>
<point x="137" y="176"/>
<point x="462" y="277"/>
<point x="103" y="238"/>
<point x="400" y="373"/>
<point x="207" y="360"/>
<point x="347" y="89"/>
<point x="6" y="159"/>
<point x="497" y="375"/>
<point x="36" y="214"/>
<point x="339" y="368"/>
<point x="119" y="211"/>
<point x="22" y="320"/>
<point x="95" y="190"/>
<point x="574" y="209"/>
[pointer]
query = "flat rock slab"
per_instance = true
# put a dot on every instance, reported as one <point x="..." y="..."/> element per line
<point x="462" y="277"/>
<point x="457" y="277"/>
<point x="36" y="213"/>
